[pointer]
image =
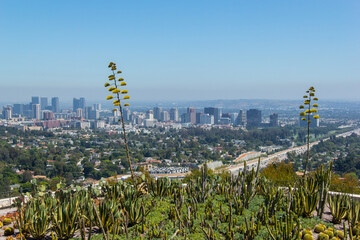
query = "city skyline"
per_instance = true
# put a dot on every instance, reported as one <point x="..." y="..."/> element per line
<point x="181" y="50"/>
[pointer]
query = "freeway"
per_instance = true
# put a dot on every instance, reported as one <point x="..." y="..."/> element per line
<point x="278" y="156"/>
<point x="282" y="155"/>
<point x="264" y="161"/>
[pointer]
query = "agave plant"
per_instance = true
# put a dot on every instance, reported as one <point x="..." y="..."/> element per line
<point x="40" y="217"/>
<point x="108" y="211"/>
<point x="339" y="205"/>
<point x="66" y="218"/>
<point x="160" y="187"/>
<point x="135" y="211"/>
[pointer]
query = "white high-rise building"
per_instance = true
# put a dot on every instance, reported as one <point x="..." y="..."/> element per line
<point x="174" y="114"/>
<point x="165" y="116"/>
<point x="36" y="111"/>
<point x="149" y="115"/>
<point x="7" y="112"/>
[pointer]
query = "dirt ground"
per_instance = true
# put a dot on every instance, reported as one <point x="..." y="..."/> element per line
<point x="2" y="213"/>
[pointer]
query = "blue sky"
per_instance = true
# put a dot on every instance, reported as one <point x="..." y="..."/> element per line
<point x="180" y="50"/>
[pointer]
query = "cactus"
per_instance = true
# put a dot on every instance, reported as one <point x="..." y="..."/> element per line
<point x="273" y="196"/>
<point x="160" y="187"/>
<point x="296" y="203"/>
<point x="7" y="221"/>
<point x="238" y="204"/>
<point x="39" y="216"/>
<point x="308" y="237"/>
<point x="339" y="234"/>
<point x="209" y="234"/>
<point x="345" y="231"/>
<point x="8" y="231"/>
<point x="339" y="205"/>
<point x="66" y="218"/>
<point x="319" y="228"/>
<point x="135" y="211"/>
<point x="353" y="214"/>
<point x="288" y="227"/>
<point x="251" y="228"/>
<point x="323" y="236"/>
<point x="247" y="183"/>
<point x="323" y="179"/>
<point x="329" y="233"/>
<point x="200" y="189"/>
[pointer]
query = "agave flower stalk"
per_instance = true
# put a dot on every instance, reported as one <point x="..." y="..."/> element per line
<point x="306" y="116"/>
<point x="113" y="87"/>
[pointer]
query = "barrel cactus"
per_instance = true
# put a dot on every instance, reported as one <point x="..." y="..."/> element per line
<point x="339" y="234"/>
<point x="7" y="221"/>
<point x="308" y="237"/>
<point x="9" y="231"/>
<point x="323" y="236"/>
<point x="319" y="228"/>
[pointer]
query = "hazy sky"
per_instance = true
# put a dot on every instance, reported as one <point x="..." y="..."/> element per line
<point x="180" y="50"/>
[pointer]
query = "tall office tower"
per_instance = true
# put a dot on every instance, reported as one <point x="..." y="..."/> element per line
<point x="274" y="120"/>
<point x="43" y="103"/>
<point x="79" y="113"/>
<point x="47" y="115"/>
<point x="36" y="112"/>
<point x="174" y="114"/>
<point x="127" y="114"/>
<point x="93" y="114"/>
<point x="35" y="100"/>
<point x="253" y="117"/>
<point x="79" y="103"/>
<point x="198" y="116"/>
<point x="314" y="122"/>
<point x="76" y="104"/>
<point x="157" y="113"/>
<point x="55" y="104"/>
<point x="82" y="103"/>
<point x="216" y="112"/>
<point x="165" y="116"/>
<point x="27" y="110"/>
<point x="184" y="118"/>
<point x="87" y="112"/>
<point x="206" y="119"/>
<point x="7" y="112"/>
<point x="97" y="106"/>
<point x="191" y="114"/>
<point x="18" y="109"/>
<point x="241" y="118"/>
<point x="149" y="114"/>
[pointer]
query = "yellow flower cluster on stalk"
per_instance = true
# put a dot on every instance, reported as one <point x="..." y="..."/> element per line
<point x="113" y="85"/>
<point x="310" y="109"/>
<point x="119" y="95"/>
